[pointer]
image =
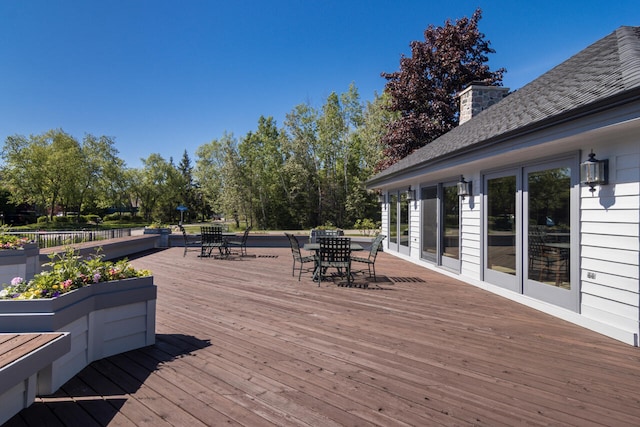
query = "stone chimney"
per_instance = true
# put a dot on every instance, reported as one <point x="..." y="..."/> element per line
<point x="478" y="97"/>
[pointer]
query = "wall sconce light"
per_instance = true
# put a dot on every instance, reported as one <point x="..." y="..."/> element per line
<point x="594" y="172"/>
<point x="382" y="198"/>
<point x="464" y="188"/>
<point x="411" y="194"/>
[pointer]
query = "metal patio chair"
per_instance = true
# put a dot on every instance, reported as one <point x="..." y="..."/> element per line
<point x="334" y="252"/>
<point x="298" y="258"/>
<point x="370" y="260"/>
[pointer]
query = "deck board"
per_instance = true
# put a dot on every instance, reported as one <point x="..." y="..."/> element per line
<point x="242" y="342"/>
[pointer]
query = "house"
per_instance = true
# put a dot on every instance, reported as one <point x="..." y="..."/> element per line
<point x="499" y="201"/>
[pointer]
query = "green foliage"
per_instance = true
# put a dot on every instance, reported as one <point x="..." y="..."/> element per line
<point x="91" y="218"/>
<point x="367" y="226"/>
<point x="424" y="90"/>
<point x="66" y="272"/>
<point x="43" y="219"/>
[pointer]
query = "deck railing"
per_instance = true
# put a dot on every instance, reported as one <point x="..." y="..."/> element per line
<point x="47" y="239"/>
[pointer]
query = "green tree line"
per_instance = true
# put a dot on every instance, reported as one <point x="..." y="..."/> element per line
<point x="308" y="172"/>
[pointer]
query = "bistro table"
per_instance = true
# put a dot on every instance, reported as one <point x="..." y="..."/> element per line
<point x="315" y="247"/>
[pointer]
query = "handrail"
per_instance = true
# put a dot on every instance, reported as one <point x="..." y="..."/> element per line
<point x="47" y="239"/>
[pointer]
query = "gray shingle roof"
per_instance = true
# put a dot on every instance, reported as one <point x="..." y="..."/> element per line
<point x="608" y="68"/>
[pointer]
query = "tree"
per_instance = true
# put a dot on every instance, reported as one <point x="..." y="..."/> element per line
<point x="424" y="89"/>
<point x="187" y="188"/>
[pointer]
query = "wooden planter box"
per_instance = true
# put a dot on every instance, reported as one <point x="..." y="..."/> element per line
<point x="23" y="263"/>
<point x="103" y="319"/>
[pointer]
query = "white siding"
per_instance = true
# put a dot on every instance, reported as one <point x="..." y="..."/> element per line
<point x="610" y="242"/>
<point x="471" y="254"/>
<point x="414" y="228"/>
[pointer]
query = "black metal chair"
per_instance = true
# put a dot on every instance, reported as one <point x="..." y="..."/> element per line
<point x="545" y="259"/>
<point x="212" y="238"/>
<point x="334" y="252"/>
<point x="189" y="243"/>
<point x="241" y="244"/>
<point x="298" y="258"/>
<point x="370" y="260"/>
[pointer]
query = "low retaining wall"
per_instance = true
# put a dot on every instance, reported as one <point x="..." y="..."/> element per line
<point x="111" y="249"/>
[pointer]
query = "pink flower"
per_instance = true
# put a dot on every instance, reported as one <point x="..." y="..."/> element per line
<point x="67" y="283"/>
<point x="96" y="278"/>
<point x="16" y="281"/>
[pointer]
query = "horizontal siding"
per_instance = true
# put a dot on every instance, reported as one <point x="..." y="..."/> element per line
<point x="610" y="244"/>
<point x="611" y="202"/>
<point x="610" y="293"/>
<point x="607" y="254"/>
<point x="597" y="265"/>
<point x="471" y="256"/>
<point x="608" y="216"/>
<point x="611" y="280"/>
<point x="603" y="228"/>
<point x="610" y="306"/>
<point x="630" y="243"/>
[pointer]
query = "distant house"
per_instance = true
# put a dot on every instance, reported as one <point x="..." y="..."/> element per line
<point x="531" y="229"/>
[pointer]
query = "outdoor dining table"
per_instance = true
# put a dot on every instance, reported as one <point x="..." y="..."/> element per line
<point x="315" y="247"/>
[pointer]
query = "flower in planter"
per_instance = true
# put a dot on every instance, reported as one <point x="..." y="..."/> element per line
<point x="11" y="241"/>
<point x="68" y="271"/>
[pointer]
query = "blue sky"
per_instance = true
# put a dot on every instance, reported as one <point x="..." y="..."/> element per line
<point x="163" y="76"/>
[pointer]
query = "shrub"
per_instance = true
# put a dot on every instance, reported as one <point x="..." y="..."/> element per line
<point x="367" y="227"/>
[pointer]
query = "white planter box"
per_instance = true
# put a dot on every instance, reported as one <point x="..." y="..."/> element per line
<point x="103" y="319"/>
<point x="23" y="263"/>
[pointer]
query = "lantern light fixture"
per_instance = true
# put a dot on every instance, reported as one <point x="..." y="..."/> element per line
<point x="382" y="199"/>
<point x="594" y="172"/>
<point x="464" y="188"/>
<point x="411" y="194"/>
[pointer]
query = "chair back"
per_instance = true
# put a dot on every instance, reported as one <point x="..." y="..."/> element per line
<point x="184" y="233"/>
<point x="376" y="246"/>
<point x="211" y="235"/>
<point x="536" y="243"/>
<point x="317" y="234"/>
<point x="335" y="251"/>
<point x="295" y="246"/>
<point x="246" y="235"/>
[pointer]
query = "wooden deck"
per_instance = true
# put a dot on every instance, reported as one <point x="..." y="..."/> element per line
<point x="241" y="342"/>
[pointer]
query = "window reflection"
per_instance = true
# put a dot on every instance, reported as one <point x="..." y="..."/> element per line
<point x="393" y="218"/>
<point x="501" y="207"/>
<point x="451" y="212"/>
<point x="549" y="226"/>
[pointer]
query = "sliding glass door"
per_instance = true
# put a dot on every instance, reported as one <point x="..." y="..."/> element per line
<point x="440" y="238"/>
<point x="399" y="222"/>
<point x="530" y="221"/>
<point x="502" y="220"/>
<point x="548" y="239"/>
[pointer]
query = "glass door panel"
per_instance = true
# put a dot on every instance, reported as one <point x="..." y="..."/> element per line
<point x="393" y="221"/>
<point x="404" y="221"/>
<point x="450" y="228"/>
<point x="548" y="238"/>
<point x="430" y="223"/>
<point x="501" y="222"/>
